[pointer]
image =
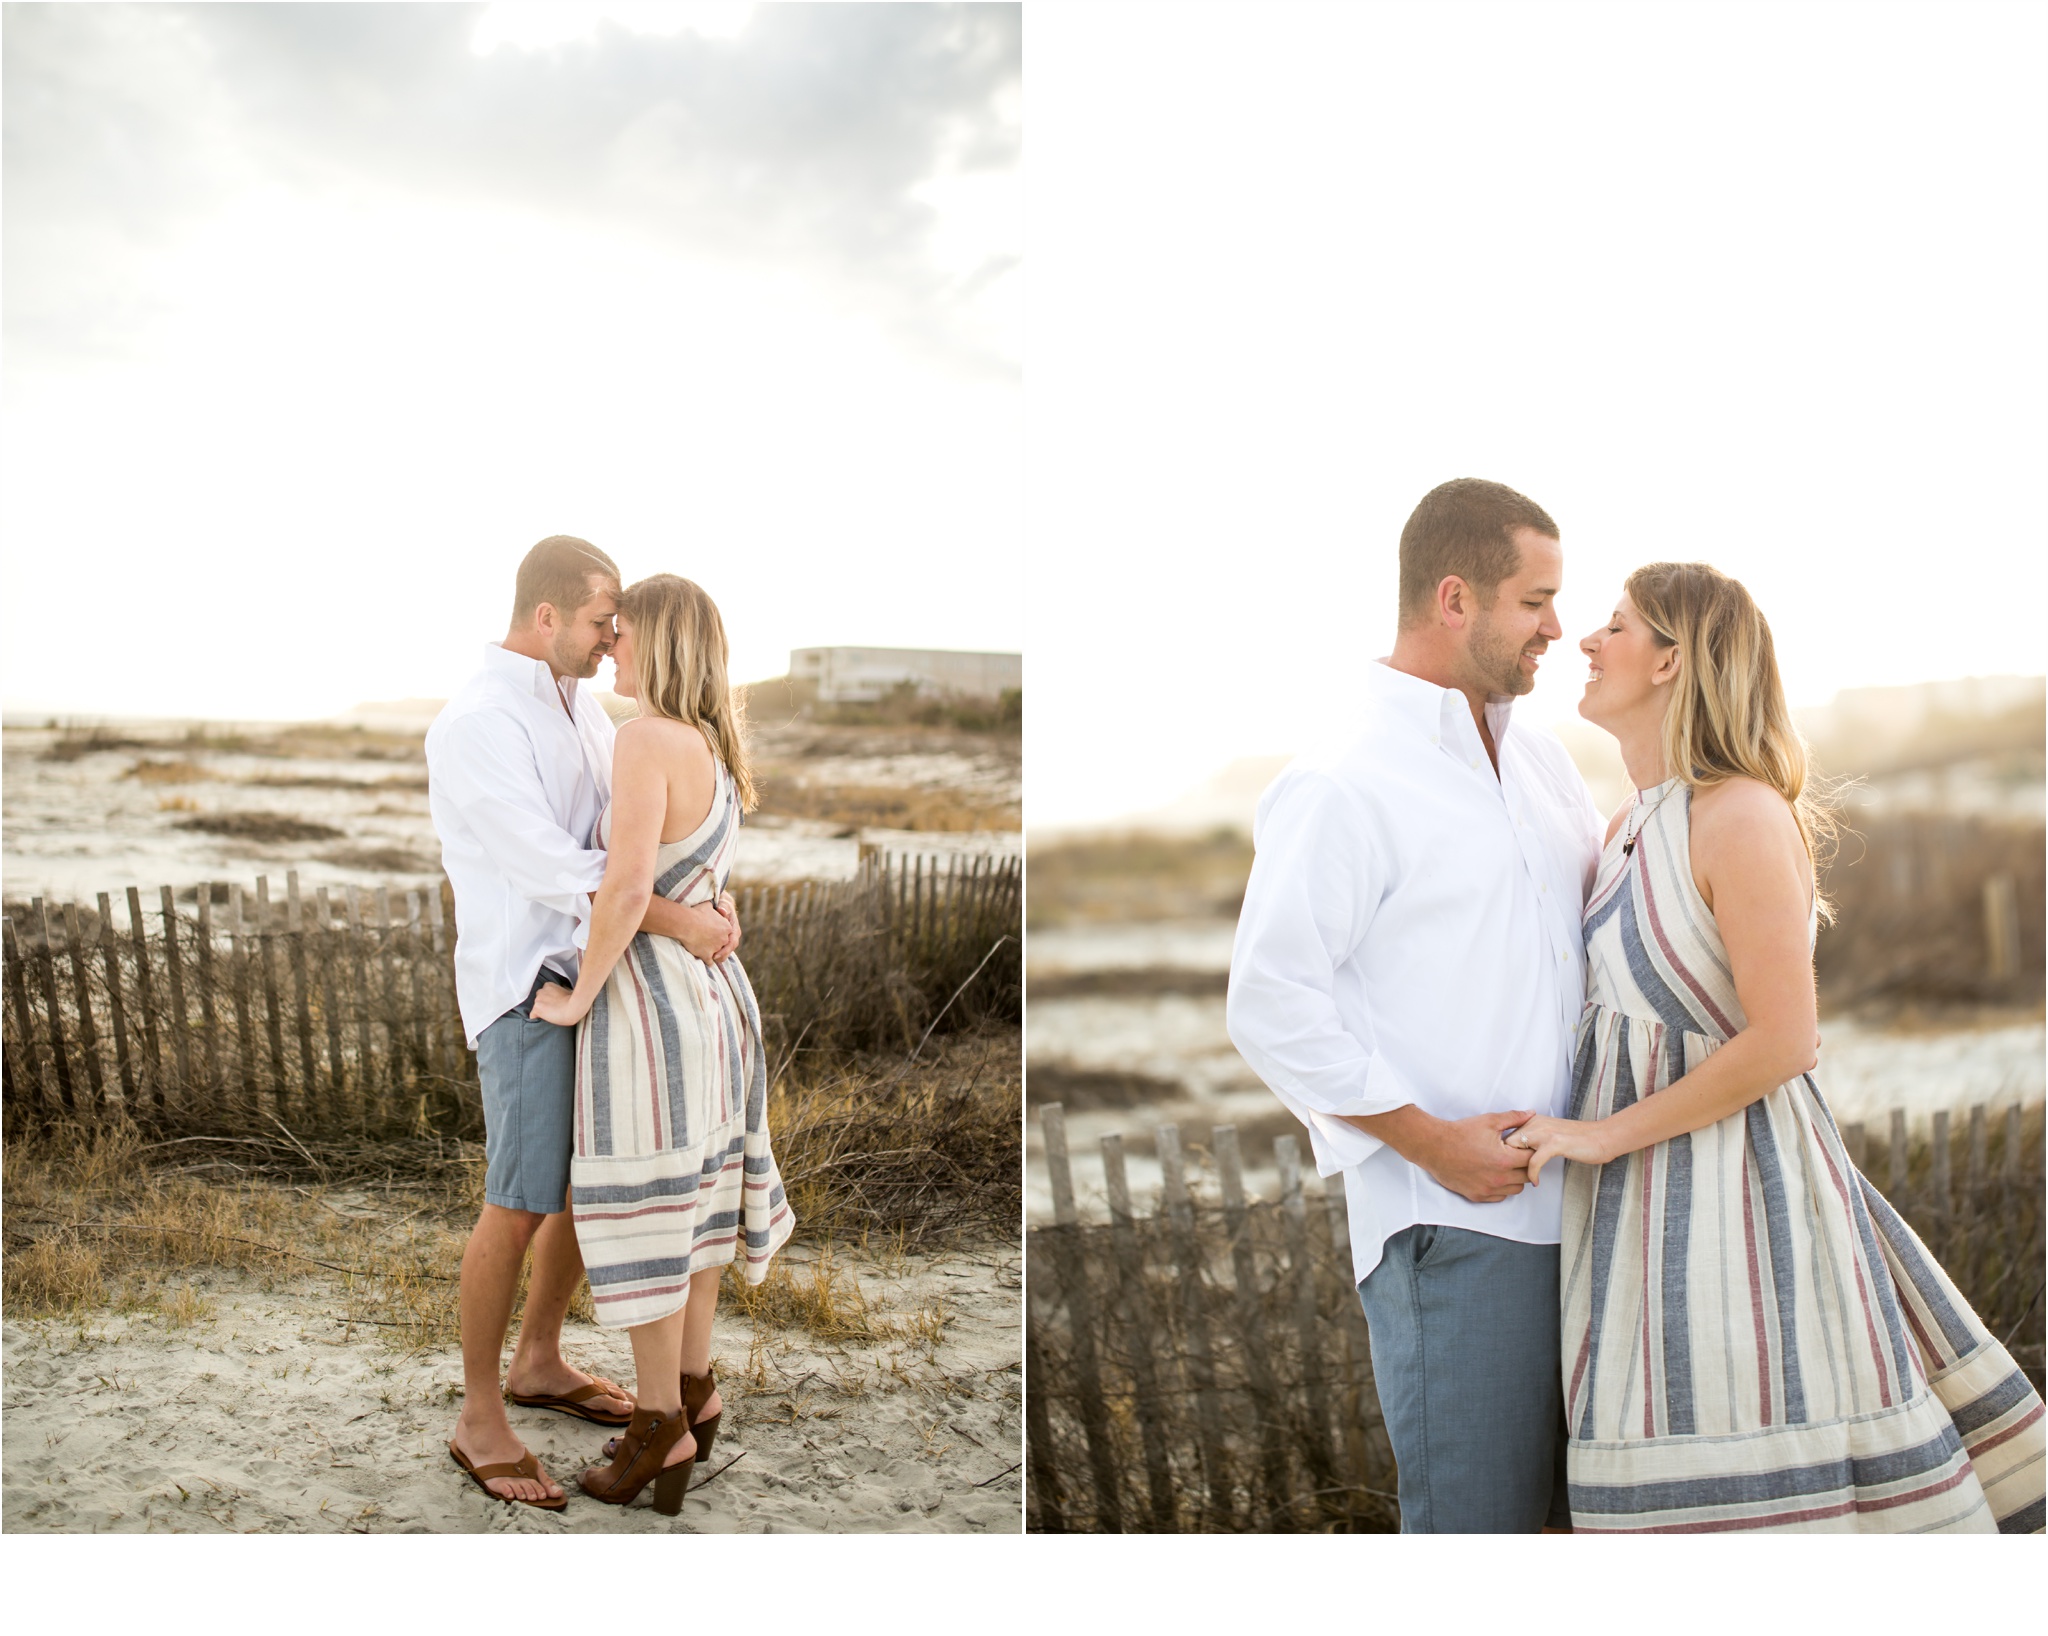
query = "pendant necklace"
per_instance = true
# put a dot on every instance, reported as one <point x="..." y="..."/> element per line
<point x="1629" y="836"/>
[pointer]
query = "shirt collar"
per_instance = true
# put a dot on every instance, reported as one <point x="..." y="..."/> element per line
<point x="529" y="675"/>
<point x="1437" y="711"/>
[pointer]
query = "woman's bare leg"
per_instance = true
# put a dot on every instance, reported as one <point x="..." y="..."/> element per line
<point x="696" y="1335"/>
<point x="658" y="1371"/>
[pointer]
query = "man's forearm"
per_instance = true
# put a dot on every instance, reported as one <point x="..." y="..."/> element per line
<point x="1407" y="1129"/>
<point x="665" y="918"/>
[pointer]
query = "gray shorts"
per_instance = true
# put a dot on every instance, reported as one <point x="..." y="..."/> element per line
<point x="1464" y="1332"/>
<point x="528" y="1070"/>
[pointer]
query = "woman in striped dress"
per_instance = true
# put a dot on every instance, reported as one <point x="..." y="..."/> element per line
<point x="1752" y="1337"/>
<point x="672" y="1177"/>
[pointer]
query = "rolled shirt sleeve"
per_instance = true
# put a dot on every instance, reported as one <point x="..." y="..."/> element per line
<point x="1317" y="878"/>
<point x="489" y="777"/>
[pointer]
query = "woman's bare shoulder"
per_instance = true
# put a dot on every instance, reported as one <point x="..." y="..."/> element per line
<point x="655" y="738"/>
<point x="1743" y="816"/>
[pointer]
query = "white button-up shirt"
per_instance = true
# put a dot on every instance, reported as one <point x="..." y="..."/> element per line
<point x="518" y="773"/>
<point x="1411" y="933"/>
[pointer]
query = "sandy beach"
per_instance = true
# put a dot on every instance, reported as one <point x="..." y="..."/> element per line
<point x="254" y="1410"/>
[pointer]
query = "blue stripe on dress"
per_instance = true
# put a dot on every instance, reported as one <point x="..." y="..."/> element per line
<point x="1678" y="1407"/>
<point x="1778" y="1236"/>
<point x="1925" y="1281"/>
<point x="600" y="1032"/>
<point x="1606" y="1222"/>
<point x="1785" y="1483"/>
<point x="671" y="1038"/>
<point x="1879" y="1272"/>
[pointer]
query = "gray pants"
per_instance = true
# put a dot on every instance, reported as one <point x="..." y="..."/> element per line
<point x="1464" y="1331"/>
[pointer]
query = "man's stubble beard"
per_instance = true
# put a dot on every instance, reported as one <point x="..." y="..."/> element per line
<point x="1497" y="658"/>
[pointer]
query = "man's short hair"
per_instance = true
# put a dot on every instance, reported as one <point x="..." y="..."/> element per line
<point x="1464" y="527"/>
<point x="557" y="571"/>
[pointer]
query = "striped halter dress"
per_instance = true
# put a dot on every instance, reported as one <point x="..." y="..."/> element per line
<point x="1752" y="1337"/>
<point x="672" y="1171"/>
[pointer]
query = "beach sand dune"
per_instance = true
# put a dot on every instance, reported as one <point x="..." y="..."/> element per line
<point x="271" y="1414"/>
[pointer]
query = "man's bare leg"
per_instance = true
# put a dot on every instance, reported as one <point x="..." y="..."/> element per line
<point x="490" y="1281"/>
<point x="538" y="1367"/>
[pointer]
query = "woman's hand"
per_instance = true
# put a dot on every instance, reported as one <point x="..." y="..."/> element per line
<point x="711" y="931"/>
<point x="1582" y="1140"/>
<point x="560" y="1006"/>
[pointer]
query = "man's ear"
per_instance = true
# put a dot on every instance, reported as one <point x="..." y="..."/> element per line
<point x="1454" y="602"/>
<point x="546" y="620"/>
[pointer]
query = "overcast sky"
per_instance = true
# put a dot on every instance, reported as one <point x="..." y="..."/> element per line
<point x="316" y="316"/>
<point x="1757" y="284"/>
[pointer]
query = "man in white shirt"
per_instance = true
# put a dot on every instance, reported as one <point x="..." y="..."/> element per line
<point x="1407" y="975"/>
<point x="518" y="775"/>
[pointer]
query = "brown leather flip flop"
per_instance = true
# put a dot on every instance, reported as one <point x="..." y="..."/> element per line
<point x="526" y="1466"/>
<point x="576" y="1402"/>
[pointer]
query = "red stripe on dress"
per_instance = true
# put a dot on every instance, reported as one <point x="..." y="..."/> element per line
<point x="1657" y="931"/>
<point x="1756" y="1296"/>
<point x="630" y="1215"/>
<point x="2013" y="1430"/>
<point x="1877" y="1352"/>
<point x="639" y="1294"/>
<point x="656" y="1066"/>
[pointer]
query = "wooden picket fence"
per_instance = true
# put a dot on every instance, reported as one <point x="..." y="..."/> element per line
<point x="1206" y="1368"/>
<point x="232" y="1011"/>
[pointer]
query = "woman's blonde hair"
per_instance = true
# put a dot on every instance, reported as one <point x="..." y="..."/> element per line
<point x="1728" y="717"/>
<point x="679" y="666"/>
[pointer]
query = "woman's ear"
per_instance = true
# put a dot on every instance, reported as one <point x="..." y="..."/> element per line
<point x="1669" y="661"/>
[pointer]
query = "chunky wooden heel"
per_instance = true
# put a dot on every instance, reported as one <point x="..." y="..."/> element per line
<point x="697" y="1390"/>
<point x="672" y="1485"/>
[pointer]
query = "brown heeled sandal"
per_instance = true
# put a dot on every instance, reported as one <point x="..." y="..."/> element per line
<point x="697" y="1390"/>
<point x="641" y="1450"/>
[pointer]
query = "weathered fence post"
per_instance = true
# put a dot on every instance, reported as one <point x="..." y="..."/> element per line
<point x="1856" y="1143"/>
<point x="1045" y="1471"/>
<point x="1353" y="1342"/>
<point x="2001" y="928"/>
<point x="245" y="1021"/>
<point x="212" y="1046"/>
<point x="1301" y="1269"/>
<point x="1071" y="1277"/>
<point x="295" y="940"/>
<point x="88" y="1030"/>
<point x="1257" y="1347"/>
<point x="1135" y="1301"/>
<point x="60" y="1052"/>
<point x="1192" y="1276"/>
<point x="330" y="1009"/>
<point x="273" y="1012"/>
<point x="1895" y="1184"/>
<point x="369" y="1075"/>
<point x="117" y="1011"/>
<point x="174" y="973"/>
<point x="1940" y="1201"/>
<point x="138" y="939"/>
<point x="24" y="1024"/>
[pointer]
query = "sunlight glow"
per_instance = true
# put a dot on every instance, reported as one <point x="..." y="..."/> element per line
<point x="540" y="25"/>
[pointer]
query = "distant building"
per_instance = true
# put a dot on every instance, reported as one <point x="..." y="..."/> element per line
<point x="862" y="675"/>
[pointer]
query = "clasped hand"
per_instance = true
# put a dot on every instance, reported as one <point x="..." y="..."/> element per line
<point x="713" y="933"/>
<point x="1543" y="1138"/>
